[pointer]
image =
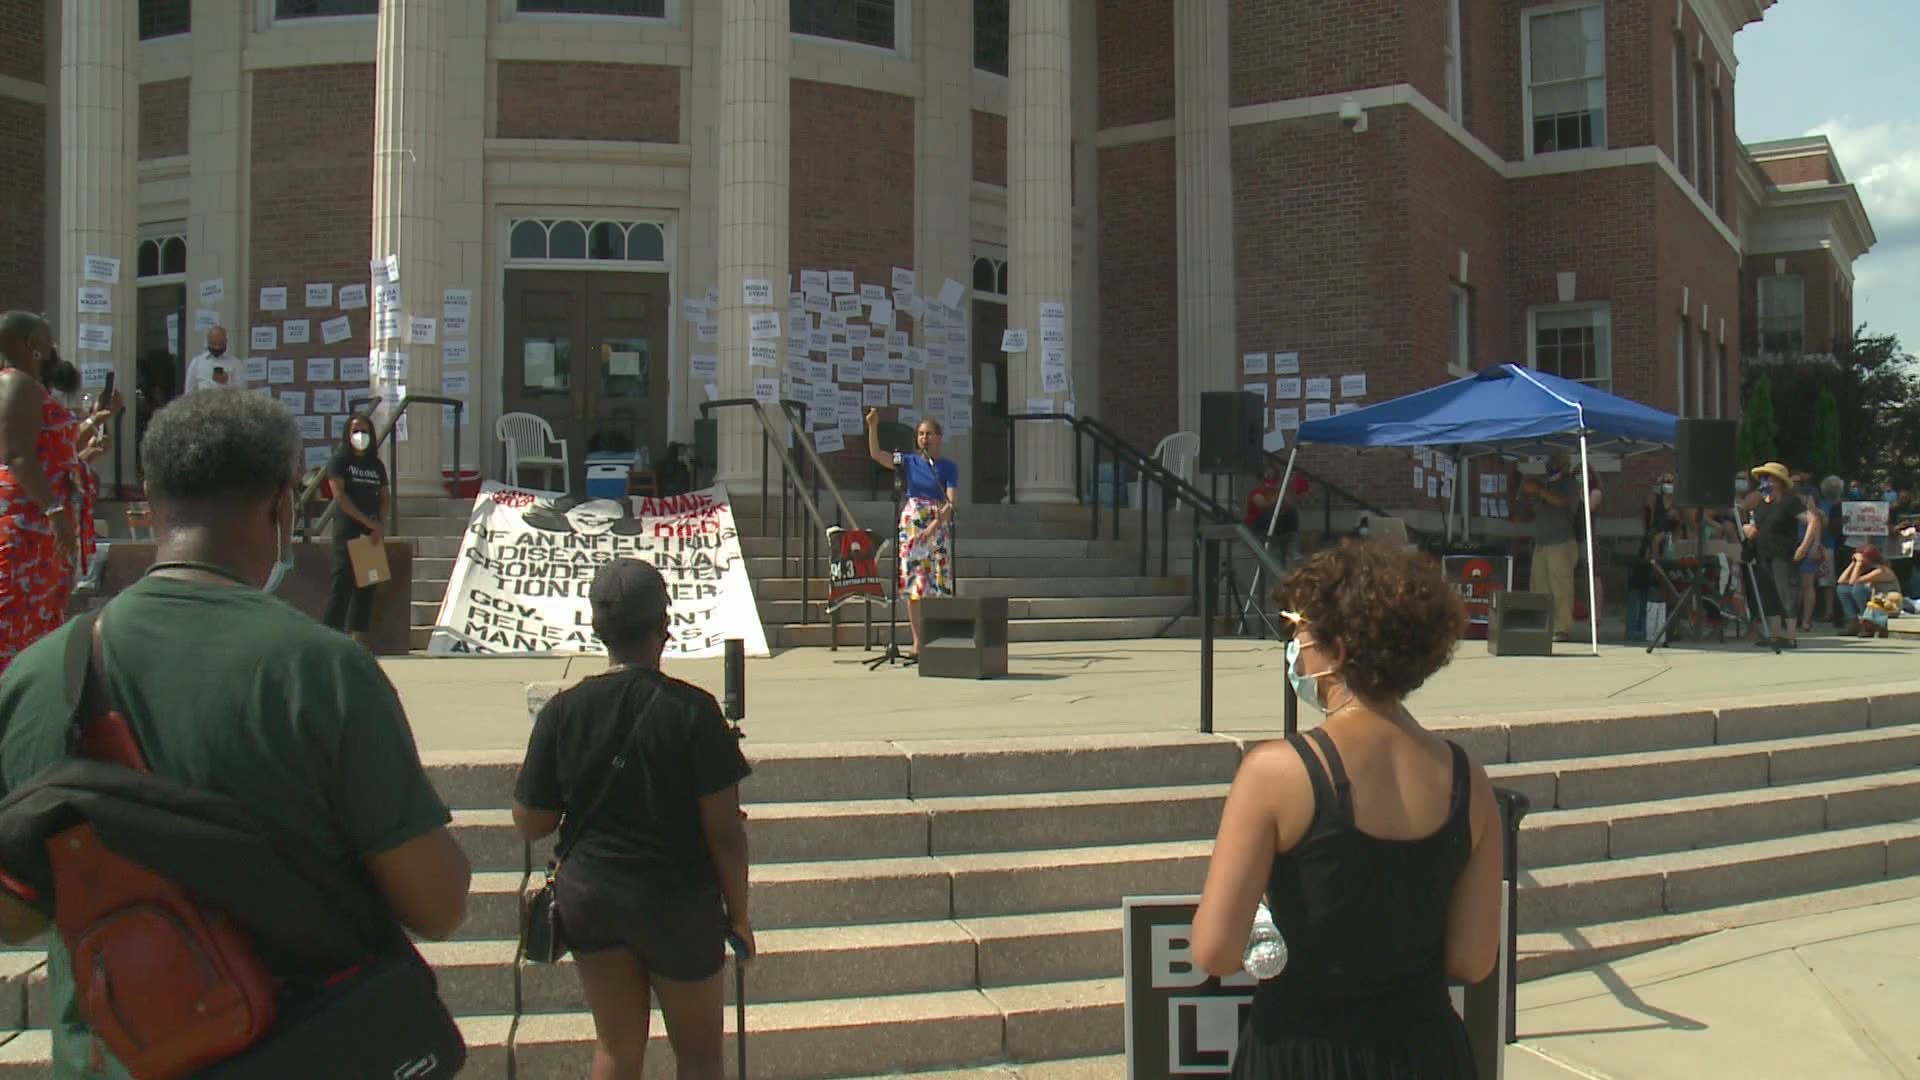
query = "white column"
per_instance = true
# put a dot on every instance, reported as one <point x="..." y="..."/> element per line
<point x="217" y="171"/>
<point x="943" y="170"/>
<point x="754" y="132"/>
<point x="99" y="129"/>
<point x="463" y="215"/>
<point x="1040" y="229"/>
<point x="408" y="193"/>
<point x="699" y="265"/>
<point x="1086" y="207"/>
<point x="1203" y="196"/>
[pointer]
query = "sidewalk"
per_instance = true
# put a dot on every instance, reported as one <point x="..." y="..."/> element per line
<point x="1113" y="687"/>
<point x="1830" y="996"/>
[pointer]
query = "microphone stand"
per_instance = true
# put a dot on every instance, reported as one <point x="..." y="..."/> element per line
<point x="893" y="655"/>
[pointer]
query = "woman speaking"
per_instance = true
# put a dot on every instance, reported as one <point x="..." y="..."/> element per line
<point x="925" y="556"/>
<point x="360" y="498"/>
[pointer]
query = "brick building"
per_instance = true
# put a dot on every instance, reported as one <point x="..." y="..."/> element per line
<point x="599" y="182"/>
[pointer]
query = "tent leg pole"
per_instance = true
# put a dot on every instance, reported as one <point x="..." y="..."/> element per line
<point x="1593" y="556"/>
<point x="1279" y="500"/>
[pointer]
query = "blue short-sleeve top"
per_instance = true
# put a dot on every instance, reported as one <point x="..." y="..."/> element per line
<point x="928" y="479"/>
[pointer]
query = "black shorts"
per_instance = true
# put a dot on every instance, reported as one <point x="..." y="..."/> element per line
<point x="677" y="936"/>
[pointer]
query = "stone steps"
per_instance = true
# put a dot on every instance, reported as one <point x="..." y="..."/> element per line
<point x="792" y="635"/>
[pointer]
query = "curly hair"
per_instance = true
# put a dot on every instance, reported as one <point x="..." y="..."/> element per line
<point x="1393" y="610"/>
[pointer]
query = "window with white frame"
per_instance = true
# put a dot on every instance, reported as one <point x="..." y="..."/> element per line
<point x="323" y="9"/>
<point x="1566" y="79"/>
<point x="573" y="240"/>
<point x="1701" y="155"/>
<point x="642" y="9"/>
<point x="1456" y="86"/>
<point x="161" y="258"/>
<point x="1783" y="315"/>
<point x="989" y="278"/>
<point x="863" y="22"/>
<point x="1680" y="124"/>
<point x="1573" y="341"/>
<point x="1713" y="154"/>
<point x="1459" y="329"/>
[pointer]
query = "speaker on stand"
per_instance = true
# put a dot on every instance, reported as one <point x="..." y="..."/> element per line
<point x="1705" y="462"/>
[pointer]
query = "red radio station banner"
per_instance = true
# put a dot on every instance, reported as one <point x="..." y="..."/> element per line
<point x="853" y="568"/>
<point x="1478" y="577"/>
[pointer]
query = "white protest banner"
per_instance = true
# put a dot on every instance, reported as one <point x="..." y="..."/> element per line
<point x="520" y="584"/>
<point x="1863" y="518"/>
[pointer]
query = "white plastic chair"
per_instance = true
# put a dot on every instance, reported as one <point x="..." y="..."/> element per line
<point x="529" y="440"/>
<point x="1178" y="453"/>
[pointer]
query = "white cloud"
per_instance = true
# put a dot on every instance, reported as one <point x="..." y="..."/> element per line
<point x="1883" y="161"/>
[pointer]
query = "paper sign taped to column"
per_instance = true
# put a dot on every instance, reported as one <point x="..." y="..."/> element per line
<point x="1253" y="363"/>
<point x="213" y="290"/>
<point x="456" y="303"/>
<point x="422" y="329"/>
<point x="353" y="297"/>
<point x="393" y="269"/>
<point x="1353" y="386"/>
<point x="335" y="330"/>
<point x="96" y="300"/>
<point x="273" y="298"/>
<point x="456" y="381"/>
<point x="386" y="325"/>
<point x="766" y="391"/>
<point x="396" y="367"/>
<point x="763" y="354"/>
<point x="756" y="292"/>
<point x="1054" y="381"/>
<point x="1286" y="363"/>
<point x="1013" y="341"/>
<point x="951" y="293"/>
<point x="296" y="332"/>
<point x="103" y="268"/>
<point x="704" y="366"/>
<point x="97" y="337"/>
<point x="204" y="320"/>
<point x="93" y="373"/>
<point x="320" y="369"/>
<point x="764" y="325"/>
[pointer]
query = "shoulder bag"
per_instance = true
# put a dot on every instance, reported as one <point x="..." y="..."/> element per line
<point x="541" y="938"/>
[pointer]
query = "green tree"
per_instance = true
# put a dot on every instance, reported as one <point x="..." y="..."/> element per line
<point x="1757" y="431"/>
<point x="1875" y="388"/>
<point x="1822" y="457"/>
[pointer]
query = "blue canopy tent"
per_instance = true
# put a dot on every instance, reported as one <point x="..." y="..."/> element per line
<point x="1505" y="408"/>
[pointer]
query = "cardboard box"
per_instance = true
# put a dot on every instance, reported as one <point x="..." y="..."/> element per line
<point x="369" y="562"/>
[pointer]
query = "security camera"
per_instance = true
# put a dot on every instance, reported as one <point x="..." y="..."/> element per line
<point x="1352" y="115"/>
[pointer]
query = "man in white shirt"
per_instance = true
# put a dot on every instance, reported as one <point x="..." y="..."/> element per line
<point x="210" y="368"/>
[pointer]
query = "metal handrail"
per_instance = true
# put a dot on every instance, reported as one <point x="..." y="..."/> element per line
<point x="1329" y="490"/>
<point x="380" y="436"/>
<point x="820" y="472"/>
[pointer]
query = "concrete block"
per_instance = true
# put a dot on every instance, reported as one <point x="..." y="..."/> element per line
<point x="473" y="780"/>
<point x="825" y="771"/>
<point x="1582" y="895"/>
<point x="1070" y="763"/>
<point x="1790" y="719"/>
<point x="1625" y="778"/>
<point x="1075" y="880"/>
<point x="862" y="829"/>
<point x="850" y="893"/>
<point x="1062" y="1019"/>
<point x="1613" y="731"/>
<point x="1903" y="856"/>
<point x="1485" y="743"/>
<point x="1880" y="798"/>
<point x="1073" y="819"/>
<point x="1539" y="784"/>
<point x="492" y="843"/>
<point x="1714" y="878"/>
<point x="1893" y="709"/>
<point x="1878" y="750"/>
<point x="1555" y="838"/>
<point x="1020" y="949"/>
<point x="1685" y="824"/>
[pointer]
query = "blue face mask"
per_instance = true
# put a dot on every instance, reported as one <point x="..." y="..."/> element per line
<point x="285" y="561"/>
<point x="1766" y="487"/>
<point x="1307" y="687"/>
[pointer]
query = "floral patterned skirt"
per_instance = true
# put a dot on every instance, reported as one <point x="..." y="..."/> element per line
<point x="926" y="564"/>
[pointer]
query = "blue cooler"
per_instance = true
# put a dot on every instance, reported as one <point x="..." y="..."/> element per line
<point x="607" y="475"/>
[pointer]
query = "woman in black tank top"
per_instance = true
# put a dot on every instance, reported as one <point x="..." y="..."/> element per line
<point x="1375" y="844"/>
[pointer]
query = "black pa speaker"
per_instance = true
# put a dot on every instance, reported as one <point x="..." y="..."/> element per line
<point x="1704" y="462"/>
<point x="1231" y="425"/>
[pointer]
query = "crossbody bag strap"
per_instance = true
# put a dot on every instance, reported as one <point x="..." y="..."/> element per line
<point x="615" y="765"/>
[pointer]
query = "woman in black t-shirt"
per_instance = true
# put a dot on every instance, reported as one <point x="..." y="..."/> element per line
<point x="360" y="500"/>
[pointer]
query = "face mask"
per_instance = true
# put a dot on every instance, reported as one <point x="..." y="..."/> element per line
<point x="1666" y="489"/>
<point x="360" y="440"/>
<point x="211" y="351"/>
<point x="1305" y="686"/>
<point x="1740" y="484"/>
<point x="285" y="561"/>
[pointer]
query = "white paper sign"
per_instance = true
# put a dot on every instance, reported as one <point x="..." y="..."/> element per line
<point x="386" y="325"/>
<point x="1286" y="363"/>
<point x="502" y="598"/>
<point x="457" y="381"/>
<point x="256" y="371"/>
<point x="1319" y="410"/>
<point x="320" y="369"/>
<point x="319" y="294"/>
<point x="335" y="330"/>
<point x="280" y="372"/>
<point x="296" y="331"/>
<point x="454" y="352"/>
<point x="454" y="325"/>
<point x="763" y="325"/>
<point x="421" y="330"/>
<point x="393" y="269"/>
<point x="353" y="297"/>
<point x="881" y="314"/>
<point x="763" y="354"/>
<point x="1258" y="390"/>
<point x="1013" y="341"/>
<point x="327" y="401"/>
<point x="839" y="281"/>
<point x="1867" y="518"/>
<point x="273" y="298"/>
<point x="951" y="292"/>
<point x="456" y="303"/>
<point x="295" y="401"/>
<point x="396" y="366"/>
<point x="213" y="291"/>
<point x="813" y="281"/>
<point x="263" y="338"/>
<point x="1253" y="363"/>
<point x="96" y="337"/>
<point x="1352" y="386"/>
<point x="103" y="268"/>
<point x="318" y="456"/>
<point x="756" y="292"/>
<point x="1286" y="418"/>
<point x="704" y="366"/>
<point x="830" y="441"/>
<point x="1287" y="389"/>
<point x="766" y="391"/>
<point x="903" y="279"/>
<point x="1319" y="388"/>
<point x="204" y="320"/>
<point x="353" y="369"/>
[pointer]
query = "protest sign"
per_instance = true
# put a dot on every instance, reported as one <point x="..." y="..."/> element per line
<point x="526" y="562"/>
<point x="853" y="568"/>
<point x="1863" y="519"/>
<point x="1478" y="578"/>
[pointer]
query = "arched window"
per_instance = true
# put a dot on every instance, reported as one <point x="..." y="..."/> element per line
<point x="567" y="240"/>
<point x="529" y="241"/>
<point x="646" y="243"/>
<point x="606" y="241"/>
<point x="161" y="255"/>
<point x="989" y="278"/>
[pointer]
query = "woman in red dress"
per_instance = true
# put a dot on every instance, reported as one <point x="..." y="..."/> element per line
<point x="41" y="490"/>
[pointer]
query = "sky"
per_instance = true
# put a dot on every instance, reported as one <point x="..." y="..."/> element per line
<point x="1844" y="69"/>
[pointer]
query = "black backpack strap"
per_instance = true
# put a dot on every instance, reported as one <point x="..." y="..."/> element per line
<point x="84" y="697"/>
<point x="615" y="765"/>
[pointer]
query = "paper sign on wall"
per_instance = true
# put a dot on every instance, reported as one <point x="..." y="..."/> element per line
<point x="1286" y="363"/>
<point x="763" y="325"/>
<point x="327" y="401"/>
<point x="335" y="330"/>
<point x="319" y="294"/>
<point x="213" y="291"/>
<point x="839" y="281"/>
<point x="353" y="369"/>
<point x="296" y="331"/>
<point x="1352" y="386"/>
<point x="455" y="352"/>
<point x="204" y="320"/>
<point x="273" y="298"/>
<point x="1253" y="363"/>
<point x="1319" y="387"/>
<point x="353" y="297"/>
<point x="279" y="372"/>
<point x="320" y="369"/>
<point x="1013" y="341"/>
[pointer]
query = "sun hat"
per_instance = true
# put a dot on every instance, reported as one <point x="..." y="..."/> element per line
<point x="1775" y="470"/>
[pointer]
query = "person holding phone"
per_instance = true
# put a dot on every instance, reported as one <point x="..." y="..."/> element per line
<point x="361" y="498"/>
<point x="211" y="369"/>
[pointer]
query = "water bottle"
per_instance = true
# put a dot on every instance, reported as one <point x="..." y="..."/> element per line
<point x="1266" y="949"/>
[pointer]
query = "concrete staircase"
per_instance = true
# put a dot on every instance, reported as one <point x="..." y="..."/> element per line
<point x="1062" y="586"/>
<point x="929" y="906"/>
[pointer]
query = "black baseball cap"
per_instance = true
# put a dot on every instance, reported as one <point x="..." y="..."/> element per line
<point x="627" y="594"/>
